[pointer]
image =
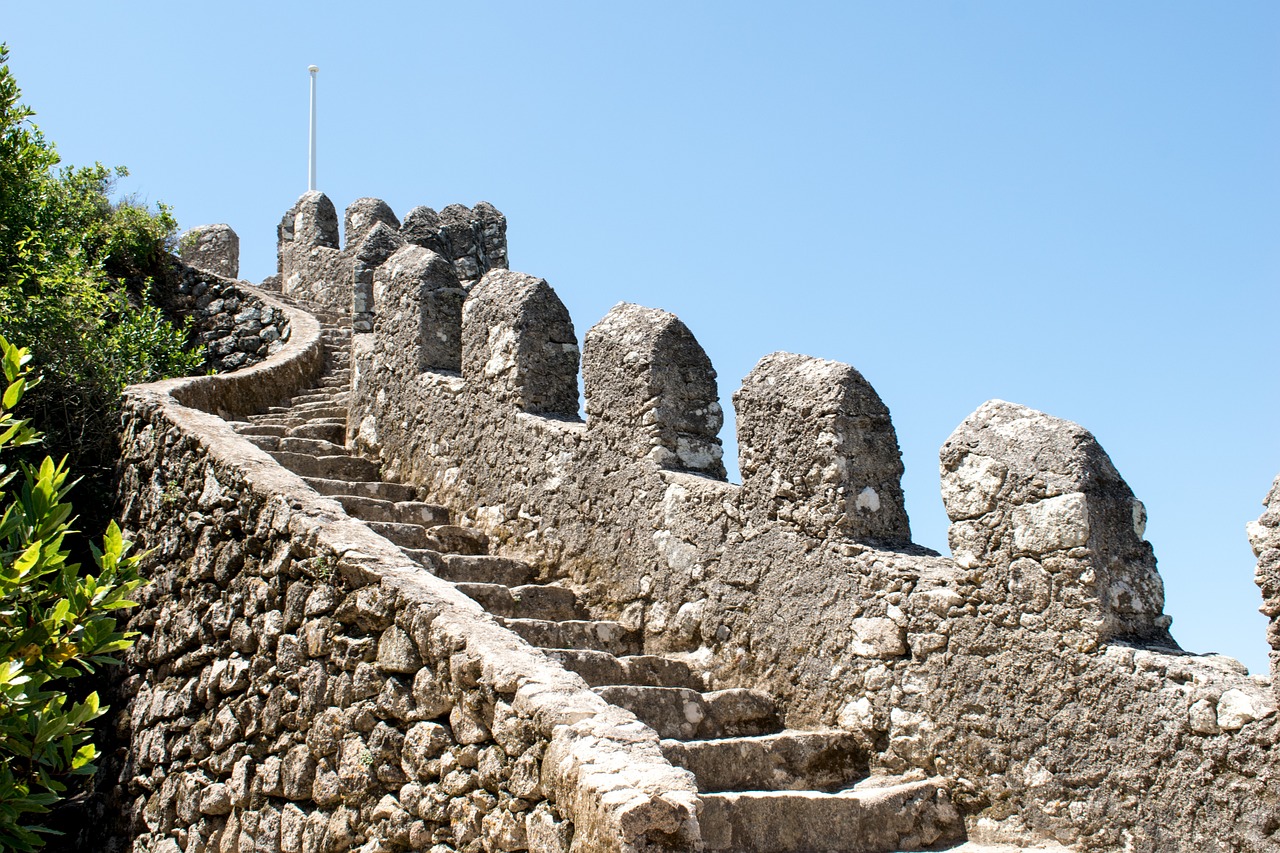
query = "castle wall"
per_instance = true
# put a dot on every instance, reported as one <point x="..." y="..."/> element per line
<point x="312" y="267"/>
<point x="1035" y="670"/>
<point x="298" y="686"/>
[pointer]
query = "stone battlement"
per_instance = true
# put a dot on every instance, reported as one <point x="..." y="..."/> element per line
<point x="1028" y="684"/>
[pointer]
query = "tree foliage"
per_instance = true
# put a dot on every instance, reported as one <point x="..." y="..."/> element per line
<point x="77" y="272"/>
<point x="57" y="622"/>
<point x="76" y="275"/>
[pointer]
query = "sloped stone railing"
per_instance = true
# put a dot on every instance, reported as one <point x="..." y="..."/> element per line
<point x="293" y="668"/>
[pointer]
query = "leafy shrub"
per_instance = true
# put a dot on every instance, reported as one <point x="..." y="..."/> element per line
<point x="76" y="276"/>
<point x="56" y="623"/>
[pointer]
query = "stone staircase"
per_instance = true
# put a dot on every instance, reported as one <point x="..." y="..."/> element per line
<point x="762" y="788"/>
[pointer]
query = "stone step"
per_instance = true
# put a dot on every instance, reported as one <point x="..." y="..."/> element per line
<point x="319" y="410"/>
<point x="328" y="467"/>
<point x="907" y="816"/>
<point x="296" y="418"/>
<point x="312" y="447"/>
<point x="827" y="760"/>
<point x="285" y="422"/>
<point x="603" y="635"/>
<point x="371" y="488"/>
<point x="335" y="433"/>
<point x="404" y="512"/>
<point x="289" y="422"/>
<point x="531" y="601"/>
<point x="484" y="568"/>
<point x="266" y="442"/>
<point x="333" y="381"/>
<point x="404" y="535"/>
<point x="601" y="669"/>
<point x="683" y="714"/>
<point x="454" y="539"/>
<point x="980" y="847"/>
<point x="315" y="396"/>
<point x="260" y="429"/>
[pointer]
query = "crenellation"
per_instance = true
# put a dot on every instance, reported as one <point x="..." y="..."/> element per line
<point x="362" y="216"/>
<point x="818" y="451"/>
<point x="212" y="248"/>
<point x="311" y="266"/>
<point x="651" y="390"/>
<point x="1037" y="502"/>
<point x="474" y="239"/>
<point x="379" y="243"/>
<point x="518" y="344"/>
<point x="420" y="316"/>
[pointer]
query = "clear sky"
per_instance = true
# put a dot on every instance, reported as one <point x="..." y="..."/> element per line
<point x="1070" y="205"/>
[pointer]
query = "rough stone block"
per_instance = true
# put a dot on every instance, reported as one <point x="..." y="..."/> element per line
<point x="518" y="344"/>
<point x="213" y="248"/>
<point x="818" y="451"/>
<point x="651" y="390"/>
<point x="1019" y="483"/>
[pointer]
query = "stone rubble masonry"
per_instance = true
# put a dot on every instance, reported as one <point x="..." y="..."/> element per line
<point x="313" y="268"/>
<point x="235" y="322"/>
<point x="212" y="248"/>
<point x="1034" y="671"/>
<point x="1036" y="501"/>
<point x="298" y="685"/>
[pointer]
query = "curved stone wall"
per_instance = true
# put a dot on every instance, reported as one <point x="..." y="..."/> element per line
<point x="298" y="685"/>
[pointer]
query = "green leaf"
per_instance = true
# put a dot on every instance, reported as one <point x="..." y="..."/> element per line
<point x="13" y="393"/>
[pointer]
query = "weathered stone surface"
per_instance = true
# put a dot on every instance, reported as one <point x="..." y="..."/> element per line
<point x="518" y="340"/>
<point x="419" y="303"/>
<point x="212" y="248"/>
<point x="333" y="673"/>
<point x="1264" y="536"/>
<point x="818" y="451"/>
<point x="1023" y="484"/>
<point x="237" y="324"/>
<point x="651" y="390"/>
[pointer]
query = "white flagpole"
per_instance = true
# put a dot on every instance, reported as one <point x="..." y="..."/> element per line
<point x="311" y="156"/>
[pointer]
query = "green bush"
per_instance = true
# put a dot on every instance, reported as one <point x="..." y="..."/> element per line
<point x="56" y="623"/>
<point x="76" y="277"/>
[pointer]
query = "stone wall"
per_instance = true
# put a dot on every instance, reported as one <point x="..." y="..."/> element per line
<point x="236" y="323"/>
<point x="297" y="685"/>
<point x="1034" y="670"/>
<point x="312" y="267"/>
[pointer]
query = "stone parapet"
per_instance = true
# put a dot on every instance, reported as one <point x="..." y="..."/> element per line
<point x="237" y="324"/>
<point x="1035" y="670"/>
<point x="314" y="268"/>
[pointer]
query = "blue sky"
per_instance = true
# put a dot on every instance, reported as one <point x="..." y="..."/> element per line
<point x="1073" y="206"/>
